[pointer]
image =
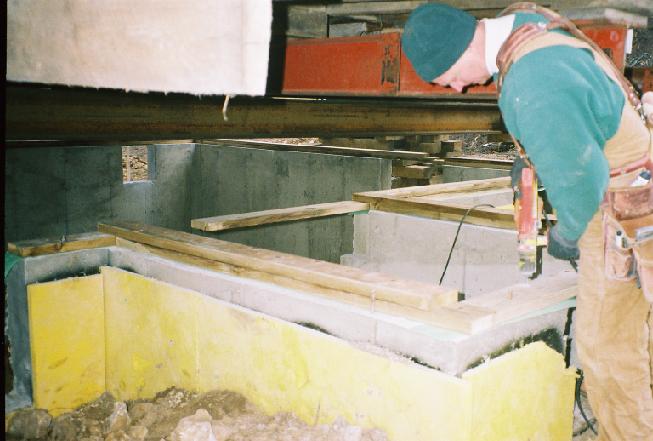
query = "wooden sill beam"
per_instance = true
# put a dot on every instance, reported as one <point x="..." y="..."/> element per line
<point x="74" y="242"/>
<point x="252" y="219"/>
<point x="87" y="116"/>
<point x="411" y="200"/>
<point x="325" y="149"/>
<point x="377" y="286"/>
<point x="429" y="190"/>
<point x="469" y="317"/>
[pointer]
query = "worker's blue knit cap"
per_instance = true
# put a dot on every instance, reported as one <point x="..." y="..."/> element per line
<point x="434" y="38"/>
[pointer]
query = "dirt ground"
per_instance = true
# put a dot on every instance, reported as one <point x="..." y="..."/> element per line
<point x="134" y="163"/>
<point x="178" y="415"/>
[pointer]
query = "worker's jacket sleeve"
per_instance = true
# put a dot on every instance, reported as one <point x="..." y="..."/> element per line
<point x="563" y="108"/>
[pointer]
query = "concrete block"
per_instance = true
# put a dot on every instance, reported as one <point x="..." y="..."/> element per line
<point x="208" y="282"/>
<point x="454" y="353"/>
<point x="51" y="267"/>
<point x="335" y="317"/>
<point x="484" y="258"/>
<point x="497" y="198"/>
<point x="452" y="173"/>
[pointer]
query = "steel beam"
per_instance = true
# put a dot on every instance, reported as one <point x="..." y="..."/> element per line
<point x="84" y="115"/>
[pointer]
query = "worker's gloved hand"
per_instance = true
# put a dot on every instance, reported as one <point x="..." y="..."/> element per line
<point x="561" y="248"/>
<point x="647" y="104"/>
<point x="515" y="175"/>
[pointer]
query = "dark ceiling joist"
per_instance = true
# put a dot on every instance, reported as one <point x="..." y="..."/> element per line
<point x="85" y="115"/>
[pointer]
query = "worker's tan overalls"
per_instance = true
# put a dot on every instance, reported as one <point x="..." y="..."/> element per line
<point x="613" y="318"/>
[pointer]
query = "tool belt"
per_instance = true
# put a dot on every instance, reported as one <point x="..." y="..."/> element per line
<point x="628" y="228"/>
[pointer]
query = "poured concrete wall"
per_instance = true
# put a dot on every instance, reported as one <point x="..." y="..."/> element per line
<point x="236" y="180"/>
<point x="54" y="191"/>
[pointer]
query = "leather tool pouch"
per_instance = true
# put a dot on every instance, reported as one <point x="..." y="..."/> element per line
<point x="627" y="216"/>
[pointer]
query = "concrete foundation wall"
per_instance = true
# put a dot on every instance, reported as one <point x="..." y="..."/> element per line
<point x="451" y="173"/>
<point x="448" y="351"/>
<point x="237" y="180"/>
<point x="54" y="191"/>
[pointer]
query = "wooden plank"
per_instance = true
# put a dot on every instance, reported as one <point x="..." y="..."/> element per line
<point x="490" y="217"/>
<point x="324" y="274"/>
<point x="519" y="300"/>
<point x="74" y="242"/>
<point x="413" y="171"/>
<point x="325" y="149"/>
<point x="469" y="161"/>
<point x="468" y="319"/>
<point x="452" y="187"/>
<point x="241" y="220"/>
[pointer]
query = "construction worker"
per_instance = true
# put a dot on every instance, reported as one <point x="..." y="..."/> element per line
<point x="572" y="115"/>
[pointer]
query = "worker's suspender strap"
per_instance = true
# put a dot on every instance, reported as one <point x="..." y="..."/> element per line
<point x="506" y="54"/>
<point x="527" y="32"/>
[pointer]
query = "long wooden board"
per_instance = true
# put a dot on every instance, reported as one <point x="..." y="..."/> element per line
<point x="427" y="190"/>
<point x="327" y="149"/>
<point x="489" y="217"/>
<point x="251" y="219"/>
<point x="412" y="200"/>
<point x="380" y="287"/>
<point x="518" y="300"/>
<point x="74" y="242"/>
<point x="468" y="319"/>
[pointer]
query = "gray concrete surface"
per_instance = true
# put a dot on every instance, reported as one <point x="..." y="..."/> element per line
<point x="237" y="180"/>
<point x="448" y="351"/>
<point x="484" y="258"/>
<point x="452" y="173"/>
<point x="36" y="270"/>
<point x="54" y="191"/>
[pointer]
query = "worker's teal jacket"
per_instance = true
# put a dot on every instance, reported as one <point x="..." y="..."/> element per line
<point x="563" y="108"/>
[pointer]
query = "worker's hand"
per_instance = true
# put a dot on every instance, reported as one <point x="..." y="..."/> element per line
<point x="647" y="103"/>
<point x="561" y="248"/>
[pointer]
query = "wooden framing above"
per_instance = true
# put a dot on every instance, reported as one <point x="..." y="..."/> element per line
<point x="252" y="219"/>
<point x="419" y="201"/>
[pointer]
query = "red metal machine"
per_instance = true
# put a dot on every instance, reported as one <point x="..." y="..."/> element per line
<point x="373" y="65"/>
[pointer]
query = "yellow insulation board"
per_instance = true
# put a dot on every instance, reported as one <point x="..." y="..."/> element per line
<point x="277" y="365"/>
<point x="514" y="391"/>
<point x="151" y="335"/>
<point x="159" y="335"/>
<point x="66" y="325"/>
